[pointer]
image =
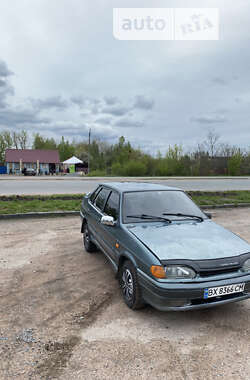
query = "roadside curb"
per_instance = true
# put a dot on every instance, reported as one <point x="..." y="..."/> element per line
<point x="77" y="213"/>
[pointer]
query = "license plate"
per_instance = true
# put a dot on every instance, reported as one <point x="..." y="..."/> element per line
<point x="223" y="290"/>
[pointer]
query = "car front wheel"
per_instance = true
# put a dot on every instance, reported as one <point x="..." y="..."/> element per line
<point x="88" y="245"/>
<point x="129" y="285"/>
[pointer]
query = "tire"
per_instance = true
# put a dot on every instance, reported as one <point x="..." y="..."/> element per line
<point x="130" y="287"/>
<point x="88" y="245"/>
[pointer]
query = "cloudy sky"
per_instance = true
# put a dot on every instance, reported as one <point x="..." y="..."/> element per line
<point x="62" y="72"/>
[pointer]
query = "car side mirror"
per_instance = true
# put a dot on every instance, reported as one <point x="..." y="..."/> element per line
<point x="108" y="220"/>
<point x="208" y="215"/>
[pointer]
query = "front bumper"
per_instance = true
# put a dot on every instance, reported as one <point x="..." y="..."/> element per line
<point x="188" y="296"/>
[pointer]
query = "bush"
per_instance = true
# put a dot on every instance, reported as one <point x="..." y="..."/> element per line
<point x="97" y="173"/>
<point x="234" y="164"/>
<point x="161" y="168"/>
<point x="134" y="169"/>
<point x="116" y="169"/>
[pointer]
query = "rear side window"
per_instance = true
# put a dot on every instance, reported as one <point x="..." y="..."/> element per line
<point x="112" y="205"/>
<point x="101" y="198"/>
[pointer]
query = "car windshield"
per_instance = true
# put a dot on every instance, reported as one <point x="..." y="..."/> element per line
<point x="158" y="203"/>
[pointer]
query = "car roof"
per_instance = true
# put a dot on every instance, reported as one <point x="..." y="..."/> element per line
<point x="136" y="186"/>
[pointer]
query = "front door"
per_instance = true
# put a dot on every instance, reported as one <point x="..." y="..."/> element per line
<point x="111" y="233"/>
<point x="95" y="215"/>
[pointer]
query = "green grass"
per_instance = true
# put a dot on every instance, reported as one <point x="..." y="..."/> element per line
<point x="72" y="202"/>
<point x="220" y="197"/>
<point x="16" y="207"/>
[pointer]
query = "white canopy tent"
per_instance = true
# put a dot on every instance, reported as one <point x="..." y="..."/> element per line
<point x="73" y="165"/>
<point x="72" y="161"/>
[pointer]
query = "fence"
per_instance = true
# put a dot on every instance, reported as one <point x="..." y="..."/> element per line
<point x="3" y="170"/>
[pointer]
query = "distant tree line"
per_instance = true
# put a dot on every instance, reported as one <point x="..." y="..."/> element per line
<point x="210" y="157"/>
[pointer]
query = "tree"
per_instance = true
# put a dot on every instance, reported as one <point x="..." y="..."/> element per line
<point x="15" y="140"/>
<point x="22" y="139"/>
<point x="8" y="139"/>
<point x="40" y="142"/>
<point x="173" y="160"/>
<point x="66" y="150"/>
<point x="6" y="142"/>
<point x="211" y="143"/>
<point x="234" y="164"/>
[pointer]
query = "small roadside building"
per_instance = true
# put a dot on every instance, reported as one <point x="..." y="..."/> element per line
<point x="43" y="161"/>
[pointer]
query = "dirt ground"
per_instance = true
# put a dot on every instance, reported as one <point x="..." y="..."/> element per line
<point x="62" y="316"/>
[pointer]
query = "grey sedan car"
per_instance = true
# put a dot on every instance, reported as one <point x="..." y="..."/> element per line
<point x="164" y="249"/>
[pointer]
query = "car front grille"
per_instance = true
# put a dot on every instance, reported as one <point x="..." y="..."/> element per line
<point x="209" y="273"/>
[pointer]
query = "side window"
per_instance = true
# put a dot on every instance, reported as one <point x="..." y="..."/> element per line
<point x="94" y="194"/>
<point x="101" y="198"/>
<point x="112" y="205"/>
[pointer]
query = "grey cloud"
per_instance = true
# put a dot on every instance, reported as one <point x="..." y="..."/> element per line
<point x="116" y="110"/>
<point x="4" y="71"/>
<point x="79" y="129"/>
<point x="2" y="103"/>
<point x="104" y="120"/>
<point x="209" y="119"/>
<point x="5" y="87"/>
<point x="81" y="100"/>
<point x="128" y="123"/>
<point x="143" y="102"/>
<point x="111" y="100"/>
<point x="52" y="102"/>
<point x="78" y="100"/>
<point x="221" y="81"/>
<point x="13" y="117"/>
<point x="65" y="127"/>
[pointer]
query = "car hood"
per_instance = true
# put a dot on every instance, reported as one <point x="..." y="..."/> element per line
<point x="189" y="240"/>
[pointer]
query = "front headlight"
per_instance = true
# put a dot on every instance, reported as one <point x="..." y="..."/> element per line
<point x="246" y="266"/>
<point x="179" y="272"/>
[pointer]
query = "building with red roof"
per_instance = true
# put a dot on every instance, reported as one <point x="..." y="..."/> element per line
<point x="43" y="161"/>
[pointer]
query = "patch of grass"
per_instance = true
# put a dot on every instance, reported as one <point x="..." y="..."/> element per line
<point x="72" y="202"/>
<point x="40" y="197"/>
<point x="220" y="197"/>
<point x="22" y="207"/>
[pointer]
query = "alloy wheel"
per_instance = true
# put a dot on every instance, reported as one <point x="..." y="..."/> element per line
<point x="127" y="284"/>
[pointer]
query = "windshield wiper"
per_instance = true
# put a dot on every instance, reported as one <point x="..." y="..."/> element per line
<point x="149" y="217"/>
<point x="185" y="215"/>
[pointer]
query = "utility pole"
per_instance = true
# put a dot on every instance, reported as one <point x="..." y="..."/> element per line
<point x="89" y="151"/>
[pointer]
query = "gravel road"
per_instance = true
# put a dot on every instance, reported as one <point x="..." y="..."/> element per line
<point x="62" y="317"/>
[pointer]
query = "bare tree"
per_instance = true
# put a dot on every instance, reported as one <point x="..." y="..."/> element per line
<point x="6" y="135"/>
<point x="23" y="139"/>
<point x="211" y="143"/>
<point x="15" y="140"/>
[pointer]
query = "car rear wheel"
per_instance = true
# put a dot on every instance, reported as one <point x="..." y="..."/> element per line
<point x="88" y="245"/>
<point x="129" y="285"/>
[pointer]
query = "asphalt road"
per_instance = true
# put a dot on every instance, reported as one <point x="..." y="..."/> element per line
<point x="74" y="185"/>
